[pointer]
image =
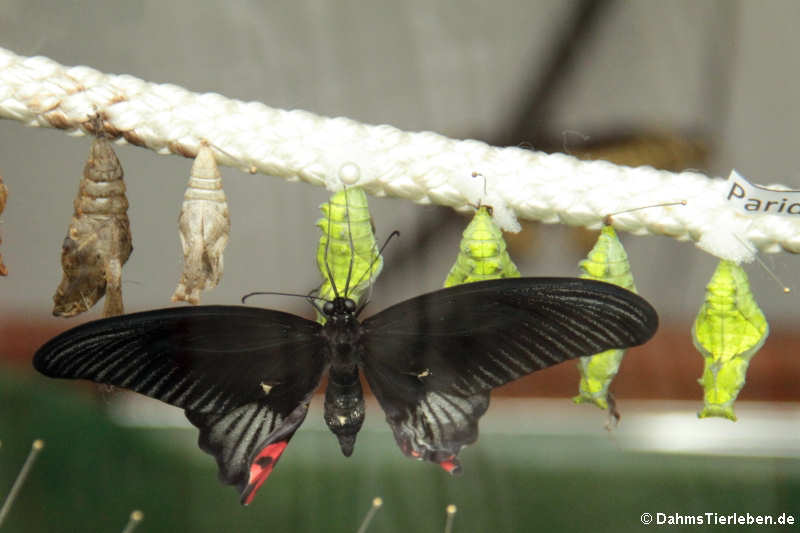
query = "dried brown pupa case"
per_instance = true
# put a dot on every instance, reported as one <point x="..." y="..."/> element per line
<point x="204" y="225"/>
<point x="98" y="241"/>
<point x="3" y="198"/>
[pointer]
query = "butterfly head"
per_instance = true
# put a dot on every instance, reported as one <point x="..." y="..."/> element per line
<point x="339" y="309"/>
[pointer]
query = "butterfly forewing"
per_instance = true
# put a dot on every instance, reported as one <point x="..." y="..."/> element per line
<point x="476" y="337"/>
<point x="205" y="359"/>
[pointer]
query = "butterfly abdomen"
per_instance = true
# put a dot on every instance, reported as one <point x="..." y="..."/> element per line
<point x="344" y="406"/>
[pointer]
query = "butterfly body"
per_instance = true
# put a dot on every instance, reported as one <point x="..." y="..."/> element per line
<point x="344" y="408"/>
<point x="245" y="376"/>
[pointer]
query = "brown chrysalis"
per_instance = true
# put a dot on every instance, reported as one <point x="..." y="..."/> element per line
<point x="98" y="241"/>
<point x="204" y="225"/>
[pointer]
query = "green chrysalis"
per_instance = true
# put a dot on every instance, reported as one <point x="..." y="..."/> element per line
<point x="347" y="223"/>
<point x="608" y="262"/>
<point x="728" y="331"/>
<point x="482" y="253"/>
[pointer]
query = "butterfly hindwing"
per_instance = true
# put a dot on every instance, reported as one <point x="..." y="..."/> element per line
<point x="427" y="425"/>
<point x="204" y="359"/>
<point x="248" y="440"/>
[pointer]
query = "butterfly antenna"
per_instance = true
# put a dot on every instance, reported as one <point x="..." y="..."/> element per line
<point x="451" y="514"/>
<point x="376" y="504"/>
<point x="327" y="248"/>
<point x="271" y="293"/>
<point x="375" y="259"/>
<point x="352" y="246"/>
<point x="311" y="298"/>
<point x="134" y="520"/>
<point x="36" y="447"/>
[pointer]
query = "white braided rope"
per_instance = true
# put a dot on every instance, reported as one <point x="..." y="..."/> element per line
<point x="424" y="167"/>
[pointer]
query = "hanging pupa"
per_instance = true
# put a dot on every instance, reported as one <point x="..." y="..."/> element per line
<point x="347" y="254"/>
<point x="728" y="331"/>
<point x="3" y="199"/>
<point x="482" y="252"/>
<point x="607" y="261"/>
<point x="98" y="240"/>
<point x="204" y="225"/>
<point x="482" y="256"/>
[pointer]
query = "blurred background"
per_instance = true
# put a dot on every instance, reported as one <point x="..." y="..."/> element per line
<point x="703" y="85"/>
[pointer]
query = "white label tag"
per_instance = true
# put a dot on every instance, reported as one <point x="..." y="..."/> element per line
<point x="752" y="199"/>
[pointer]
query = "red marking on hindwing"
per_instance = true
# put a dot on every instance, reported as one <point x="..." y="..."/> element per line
<point x="261" y="468"/>
<point x="451" y="465"/>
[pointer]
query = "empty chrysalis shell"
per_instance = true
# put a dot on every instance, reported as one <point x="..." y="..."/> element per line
<point x="204" y="225"/>
<point x="3" y="198"/>
<point x="482" y="253"/>
<point x="607" y="261"/>
<point x="98" y="240"/>
<point x="728" y="331"/>
<point x="347" y="254"/>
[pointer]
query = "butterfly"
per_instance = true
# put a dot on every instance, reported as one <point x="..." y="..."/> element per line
<point x="245" y="376"/>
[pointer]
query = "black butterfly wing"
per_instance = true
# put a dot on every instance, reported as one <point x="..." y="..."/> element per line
<point x="248" y="441"/>
<point x="244" y="375"/>
<point x="428" y="425"/>
<point x="203" y="359"/>
<point x="432" y="360"/>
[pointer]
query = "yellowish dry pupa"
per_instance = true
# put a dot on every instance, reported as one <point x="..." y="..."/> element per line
<point x="607" y="261"/>
<point x="205" y="226"/>
<point x="728" y="331"/>
<point x="347" y="254"/>
<point x="482" y="252"/>
<point x="98" y="240"/>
